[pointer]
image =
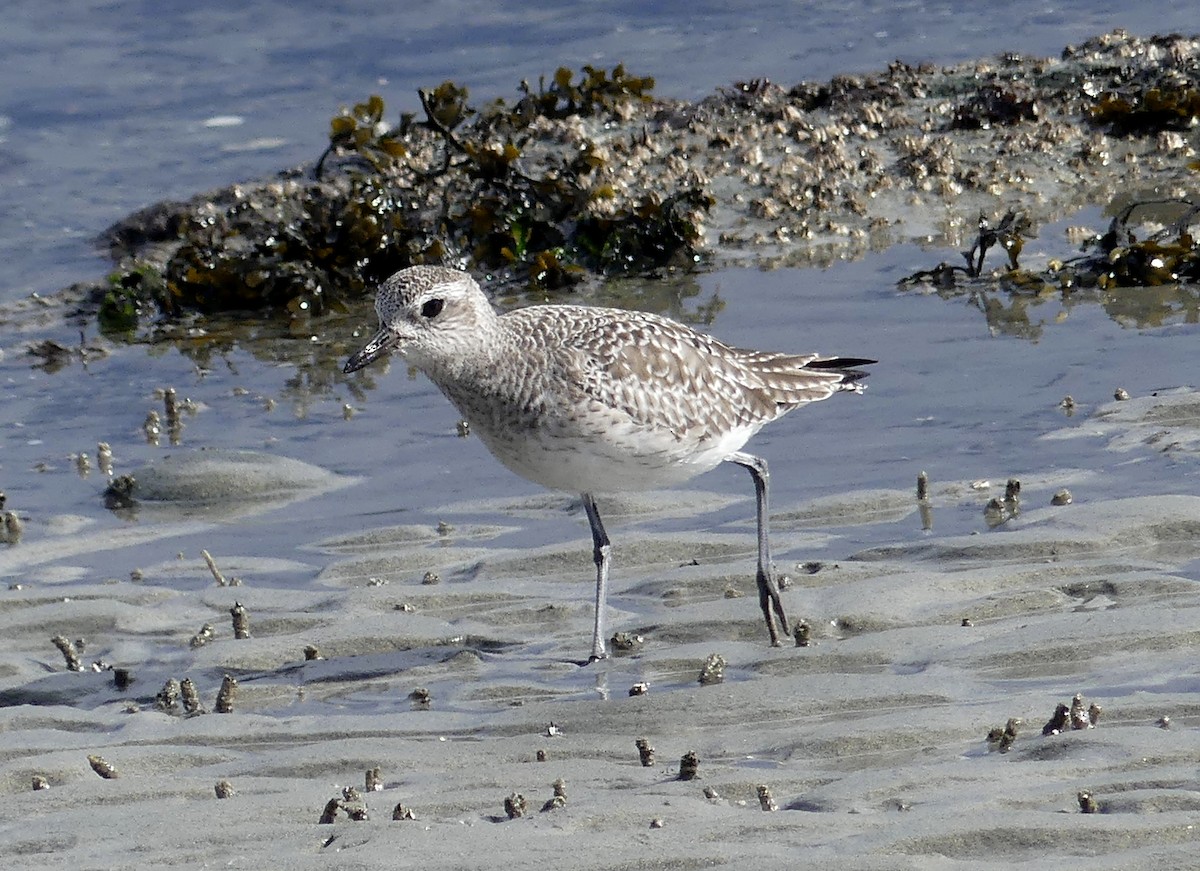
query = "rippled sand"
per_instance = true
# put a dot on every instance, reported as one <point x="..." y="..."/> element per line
<point x="871" y="741"/>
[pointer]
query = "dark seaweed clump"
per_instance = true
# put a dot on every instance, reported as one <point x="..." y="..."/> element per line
<point x="1145" y="111"/>
<point x="994" y="105"/>
<point x="1125" y="256"/>
<point x="1150" y="245"/>
<point x="474" y="187"/>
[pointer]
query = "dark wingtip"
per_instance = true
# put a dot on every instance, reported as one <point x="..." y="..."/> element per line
<point x="844" y="366"/>
<point x="840" y="363"/>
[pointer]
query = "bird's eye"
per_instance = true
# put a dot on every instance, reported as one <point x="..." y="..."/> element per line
<point x="432" y="308"/>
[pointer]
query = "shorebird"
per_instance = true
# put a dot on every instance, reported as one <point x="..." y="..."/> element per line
<point x="599" y="400"/>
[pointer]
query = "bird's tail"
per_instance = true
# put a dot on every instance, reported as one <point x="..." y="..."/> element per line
<point x="847" y="367"/>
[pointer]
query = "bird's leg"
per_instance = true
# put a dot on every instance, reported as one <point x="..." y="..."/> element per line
<point x="768" y="589"/>
<point x="600" y="549"/>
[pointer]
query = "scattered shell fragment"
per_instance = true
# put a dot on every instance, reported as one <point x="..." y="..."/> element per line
<point x="689" y="766"/>
<point x="515" y="806"/>
<point x="167" y="699"/>
<point x="1120" y="394"/>
<point x="40" y="782"/>
<point x="373" y="780"/>
<point x="711" y="793"/>
<point x="330" y="813"/>
<point x="152" y="427"/>
<point x="733" y="593"/>
<point x="1058" y="722"/>
<point x="67" y="648"/>
<point x="118" y="494"/>
<point x="353" y="804"/>
<point x="1076" y="716"/>
<point x="241" y="620"/>
<point x="104" y="458"/>
<point x="191" y="699"/>
<point x="312" y="653"/>
<point x="1001" y="740"/>
<point x="923" y="486"/>
<point x="996" y="512"/>
<point x="981" y="484"/>
<point x="639" y="689"/>
<point x="11" y="527"/>
<point x="657" y="823"/>
<point x="553" y="730"/>
<point x="400" y="812"/>
<point x="624" y="642"/>
<point x="645" y="752"/>
<point x="967" y="621"/>
<point x="224" y="789"/>
<point x="201" y="638"/>
<point x="431" y="578"/>
<point x="171" y="410"/>
<point x="713" y="670"/>
<point x="213" y="570"/>
<point x="226" y="694"/>
<point x="103" y="768"/>
<point x="1087" y="804"/>
<point x="1062" y="497"/>
<point x="765" y="801"/>
<point x="559" y="799"/>
<point x="1078" y="713"/>
<point x="803" y="634"/>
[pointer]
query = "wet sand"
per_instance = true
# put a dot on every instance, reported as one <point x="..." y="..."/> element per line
<point x="871" y="741"/>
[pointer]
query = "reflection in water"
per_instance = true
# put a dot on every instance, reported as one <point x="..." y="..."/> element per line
<point x="1143" y="275"/>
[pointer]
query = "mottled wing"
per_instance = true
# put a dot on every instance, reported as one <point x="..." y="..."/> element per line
<point x="798" y="379"/>
<point x="666" y="376"/>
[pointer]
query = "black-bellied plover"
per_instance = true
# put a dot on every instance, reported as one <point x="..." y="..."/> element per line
<point x="599" y="400"/>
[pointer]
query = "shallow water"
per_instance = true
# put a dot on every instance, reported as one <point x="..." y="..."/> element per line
<point x="114" y="107"/>
<point x="887" y="711"/>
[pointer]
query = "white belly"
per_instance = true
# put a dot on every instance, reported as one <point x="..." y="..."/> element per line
<point x="612" y="461"/>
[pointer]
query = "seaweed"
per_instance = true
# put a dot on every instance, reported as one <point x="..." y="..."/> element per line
<point x="596" y="93"/>
<point x="455" y="186"/>
<point x="1142" y="110"/>
<point x="994" y="105"/>
<point x="1168" y="256"/>
<point x="1129" y="264"/>
<point x="1009" y="233"/>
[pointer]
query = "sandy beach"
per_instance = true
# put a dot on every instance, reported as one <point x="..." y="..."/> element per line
<point x="258" y="614"/>
<point x="871" y="742"/>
